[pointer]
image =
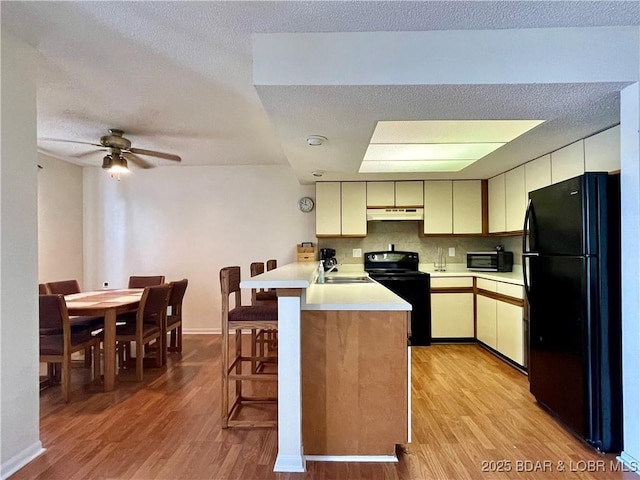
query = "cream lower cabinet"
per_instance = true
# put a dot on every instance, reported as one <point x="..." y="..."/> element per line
<point x="486" y="321"/>
<point x="452" y="315"/>
<point x="499" y="322"/>
<point x="510" y="341"/>
<point x="451" y="309"/>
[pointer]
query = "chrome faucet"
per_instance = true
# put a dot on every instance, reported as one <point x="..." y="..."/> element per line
<point x="332" y="268"/>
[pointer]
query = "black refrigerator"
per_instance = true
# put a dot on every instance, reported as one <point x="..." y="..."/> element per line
<point x="571" y="263"/>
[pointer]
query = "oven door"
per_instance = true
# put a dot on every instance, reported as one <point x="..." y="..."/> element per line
<point x="415" y="289"/>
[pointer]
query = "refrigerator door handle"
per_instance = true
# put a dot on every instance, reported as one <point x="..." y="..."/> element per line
<point x="525" y="253"/>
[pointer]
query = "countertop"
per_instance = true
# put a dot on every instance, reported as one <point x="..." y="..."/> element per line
<point x="355" y="296"/>
<point x="460" y="270"/>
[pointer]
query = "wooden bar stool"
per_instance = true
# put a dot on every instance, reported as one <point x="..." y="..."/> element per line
<point x="262" y="339"/>
<point x="253" y="317"/>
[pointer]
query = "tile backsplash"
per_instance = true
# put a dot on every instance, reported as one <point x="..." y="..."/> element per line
<point x="405" y="236"/>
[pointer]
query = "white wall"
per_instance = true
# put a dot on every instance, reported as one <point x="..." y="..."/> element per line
<point x="189" y="222"/>
<point x="19" y="396"/>
<point x="59" y="220"/>
<point x="506" y="56"/>
<point x="630" y="192"/>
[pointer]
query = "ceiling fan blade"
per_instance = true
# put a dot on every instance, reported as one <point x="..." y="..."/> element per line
<point x="137" y="160"/>
<point x="69" y="141"/>
<point x="86" y="154"/>
<point x="151" y="153"/>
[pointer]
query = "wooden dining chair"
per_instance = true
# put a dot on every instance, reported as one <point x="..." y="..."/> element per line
<point x="237" y="317"/>
<point x="42" y="289"/>
<point x="272" y="264"/>
<point x="174" y="319"/>
<point x="58" y="340"/>
<point x="145" y="281"/>
<point x="148" y="327"/>
<point x="139" y="282"/>
<point x="69" y="287"/>
<point x="63" y="287"/>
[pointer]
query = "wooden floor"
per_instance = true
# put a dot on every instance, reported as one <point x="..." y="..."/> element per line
<point x="473" y="418"/>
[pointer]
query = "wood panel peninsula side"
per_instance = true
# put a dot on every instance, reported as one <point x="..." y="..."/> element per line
<point x="343" y="368"/>
<point x="354" y="383"/>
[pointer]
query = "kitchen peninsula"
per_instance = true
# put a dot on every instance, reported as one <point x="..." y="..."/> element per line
<point x="343" y="368"/>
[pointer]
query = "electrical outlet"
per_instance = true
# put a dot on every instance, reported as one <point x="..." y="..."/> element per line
<point x="452" y="251"/>
<point x="357" y="252"/>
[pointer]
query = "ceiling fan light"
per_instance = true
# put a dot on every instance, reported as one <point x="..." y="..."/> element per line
<point x="107" y="162"/>
<point x="119" y="165"/>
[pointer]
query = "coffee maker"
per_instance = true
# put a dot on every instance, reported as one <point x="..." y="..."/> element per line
<point x="329" y="257"/>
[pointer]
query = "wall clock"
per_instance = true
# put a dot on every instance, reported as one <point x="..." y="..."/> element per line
<point x="305" y="204"/>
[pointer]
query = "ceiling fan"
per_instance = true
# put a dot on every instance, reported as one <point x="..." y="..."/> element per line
<point x="120" y="151"/>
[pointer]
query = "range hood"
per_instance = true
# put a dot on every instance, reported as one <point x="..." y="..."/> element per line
<point x="395" y="214"/>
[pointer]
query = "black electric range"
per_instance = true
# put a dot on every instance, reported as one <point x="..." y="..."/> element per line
<point x="398" y="271"/>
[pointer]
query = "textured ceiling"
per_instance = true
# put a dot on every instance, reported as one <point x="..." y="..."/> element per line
<point x="177" y="77"/>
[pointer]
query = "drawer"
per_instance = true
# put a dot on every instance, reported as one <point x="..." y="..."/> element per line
<point x="306" y="257"/>
<point x="451" y="282"/>
<point x="510" y="290"/>
<point x="485" y="284"/>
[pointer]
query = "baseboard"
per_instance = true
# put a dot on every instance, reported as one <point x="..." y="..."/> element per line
<point x="290" y="463"/>
<point x="352" y="458"/>
<point x="201" y="331"/>
<point x="630" y="463"/>
<point x="18" y="461"/>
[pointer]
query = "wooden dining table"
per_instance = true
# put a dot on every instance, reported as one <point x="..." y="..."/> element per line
<point x="109" y="304"/>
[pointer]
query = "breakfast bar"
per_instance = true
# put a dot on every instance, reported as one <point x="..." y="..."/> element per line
<point x="350" y="330"/>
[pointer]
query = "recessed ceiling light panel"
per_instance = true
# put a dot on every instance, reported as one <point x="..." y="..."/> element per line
<point x="430" y="151"/>
<point x="451" y="131"/>
<point x="414" y="166"/>
<point x="437" y="146"/>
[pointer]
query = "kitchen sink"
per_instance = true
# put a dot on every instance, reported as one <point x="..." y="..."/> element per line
<point x="345" y="279"/>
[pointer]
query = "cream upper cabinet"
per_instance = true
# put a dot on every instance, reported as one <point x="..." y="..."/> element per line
<point x="497" y="197"/>
<point x="486" y="320"/>
<point x="438" y="206"/>
<point x="602" y="151"/>
<point x="509" y="331"/>
<point x="328" y="208"/>
<point x="409" y="193"/>
<point x="515" y="199"/>
<point x="537" y="173"/>
<point x="381" y="194"/>
<point x="354" y="209"/>
<point x="395" y="194"/>
<point x="568" y="162"/>
<point x="467" y="206"/>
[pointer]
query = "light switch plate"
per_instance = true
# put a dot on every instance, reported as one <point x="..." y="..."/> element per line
<point x="452" y="251"/>
<point x="357" y="252"/>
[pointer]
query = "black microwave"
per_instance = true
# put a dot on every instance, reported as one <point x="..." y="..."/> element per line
<point x="495" y="261"/>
